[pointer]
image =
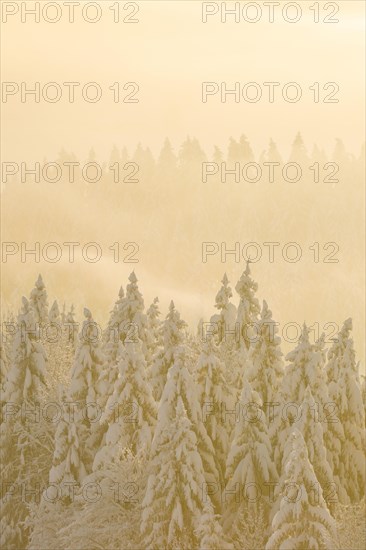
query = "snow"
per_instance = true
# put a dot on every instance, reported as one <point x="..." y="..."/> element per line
<point x="200" y="476"/>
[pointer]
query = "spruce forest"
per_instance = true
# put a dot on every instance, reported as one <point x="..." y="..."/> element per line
<point x="146" y="434"/>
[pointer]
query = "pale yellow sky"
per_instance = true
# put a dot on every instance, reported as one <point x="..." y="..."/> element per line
<point x="170" y="52"/>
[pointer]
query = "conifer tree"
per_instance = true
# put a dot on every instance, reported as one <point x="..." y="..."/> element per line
<point x="303" y="520"/>
<point x="22" y="435"/>
<point x="218" y="156"/>
<point x="209" y="531"/>
<point x="340" y="154"/>
<point x="305" y="368"/>
<point x="111" y="335"/>
<point x="132" y="319"/>
<point x="181" y="383"/>
<point x="130" y="412"/>
<point x="240" y="151"/>
<point x="174" y="502"/>
<point x="265" y="358"/>
<point x="85" y="374"/>
<point x="67" y="462"/>
<point x="190" y="154"/>
<point x="249" y="463"/>
<point x="71" y="327"/>
<point x="167" y="161"/>
<point x="38" y="302"/>
<point x="153" y="328"/>
<point x="214" y="398"/>
<point x="272" y="154"/>
<point x="145" y="161"/>
<point x="112" y="347"/>
<point x="249" y="308"/>
<point x="299" y="153"/>
<point x="345" y="391"/>
<point x="127" y="321"/>
<point x="250" y="528"/>
<point x="87" y="363"/>
<point x="310" y="427"/>
<point x="308" y="423"/>
<point x="54" y="314"/>
<point x="246" y="153"/>
<point x="225" y="319"/>
<point x="172" y="337"/>
<point x="58" y="338"/>
<point x="27" y="372"/>
<point x="318" y="155"/>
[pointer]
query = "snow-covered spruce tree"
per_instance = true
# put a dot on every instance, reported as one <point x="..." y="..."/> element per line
<point x="71" y="327"/>
<point x="153" y="329"/>
<point x="265" y="358"/>
<point x="327" y="414"/>
<point x="249" y="307"/>
<point x="214" y="398"/>
<point x="67" y="462"/>
<point x="111" y="336"/>
<point x="59" y="349"/>
<point x="27" y="370"/>
<point x="305" y="369"/>
<point x="226" y="318"/>
<point x="54" y="314"/>
<point x="335" y="354"/>
<point x="180" y="383"/>
<point x="111" y="347"/>
<point x="173" y="336"/>
<point x="128" y="320"/>
<point x="56" y="508"/>
<point x="38" y="302"/>
<point x="133" y="321"/>
<point x="130" y="412"/>
<point x="303" y="520"/>
<point x="87" y="363"/>
<point x="127" y="324"/>
<point x="67" y="472"/>
<point x="236" y="357"/>
<point x="85" y="374"/>
<point x="311" y="429"/>
<point x="174" y="499"/>
<point x="24" y="436"/>
<point x="345" y="391"/>
<point x="209" y="531"/>
<point x="249" y="466"/>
